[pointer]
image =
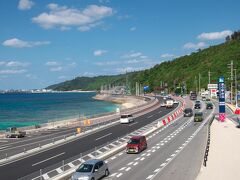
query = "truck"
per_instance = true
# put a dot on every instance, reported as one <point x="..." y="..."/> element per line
<point x="13" y="132"/>
<point x="193" y="96"/>
<point x="169" y="103"/>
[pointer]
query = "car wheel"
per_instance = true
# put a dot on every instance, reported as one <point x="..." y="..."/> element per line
<point x="106" y="172"/>
<point x="92" y="179"/>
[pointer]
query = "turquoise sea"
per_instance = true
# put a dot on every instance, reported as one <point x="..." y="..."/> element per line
<point x="31" y="109"/>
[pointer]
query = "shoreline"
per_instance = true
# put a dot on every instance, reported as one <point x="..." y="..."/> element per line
<point x="125" y="102"/>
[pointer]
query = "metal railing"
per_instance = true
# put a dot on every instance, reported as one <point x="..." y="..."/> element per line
<point x="208" y="142"/>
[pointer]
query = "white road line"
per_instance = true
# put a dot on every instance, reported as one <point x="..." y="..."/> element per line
<point x="173" y="155"/>
<point x="163" y="164"/>
<point x="168" y="159"/>
<point x="143" y="154"/>
<point x="156" y="170"/>
<point x="103" y="136"/>
<point x="122" y="168"/>
<point x="3" y="147"/>
<point x="120" y="154"/>
<point x="59" y="170"/>
<point x="45" y="176"/>
<point x="48" y="159"/>
<point x="135" y="163"/>
<point x="142" y="159"/>
<point x="150" y="116"/>
<point x="114" y="174"/>
<point x="149" y="177"/>
<point x="137" y="159"/>
<point x="148" y="154"/>
<point x="132" y="124"/>
<point x="128" y="169"/>
<point x="3" y="141"/>
<point x="114" y="157"/>
<point x="153" y="150"/>
<point x="130" y="163"/>
<point x="119" y="174"/>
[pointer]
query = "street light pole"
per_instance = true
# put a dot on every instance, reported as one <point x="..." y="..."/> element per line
<point x="236" y="90"/>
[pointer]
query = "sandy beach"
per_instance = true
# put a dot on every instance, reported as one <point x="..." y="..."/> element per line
<point x="124" y="101"/>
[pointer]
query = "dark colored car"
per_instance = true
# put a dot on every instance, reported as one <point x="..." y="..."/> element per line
<point x="209" y="105"/>
<point x="188" y="112"/>
<point x="136" y="144"/>
<point x="197" y="105"/>
<point x="198" y="117"/>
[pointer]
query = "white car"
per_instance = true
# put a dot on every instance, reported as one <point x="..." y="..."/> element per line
<point x="126" y="118"/>
<point x="163" y="104"/>
<point x="175" y="102"/>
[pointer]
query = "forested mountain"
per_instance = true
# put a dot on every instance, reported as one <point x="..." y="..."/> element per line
<point x="182" y="70"/>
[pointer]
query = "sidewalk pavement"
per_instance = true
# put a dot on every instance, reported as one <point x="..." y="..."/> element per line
<point x="224" y="153"/>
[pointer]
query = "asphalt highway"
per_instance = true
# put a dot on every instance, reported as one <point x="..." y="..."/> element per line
<point x="166" y="156"/>
<point x="50" y="157"/>
<point x="10" y="147"/>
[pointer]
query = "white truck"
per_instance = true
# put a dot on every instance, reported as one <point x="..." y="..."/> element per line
<point x="169" y="103"/>
<point x="12" y="132"/>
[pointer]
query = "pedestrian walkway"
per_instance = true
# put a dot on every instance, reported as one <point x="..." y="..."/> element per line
<point x="224" y="154"/>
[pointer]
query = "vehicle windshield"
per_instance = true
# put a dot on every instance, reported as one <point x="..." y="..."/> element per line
<point x="187" y="110"/>
<point x="197" y="102"/>
<point x="124" y="116"/>
<point x="85" y="168"/>
<point x="198" y="114"/>
<point x="133" y="141"/>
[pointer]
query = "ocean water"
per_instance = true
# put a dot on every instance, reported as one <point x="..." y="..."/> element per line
<point x="31" y="109"/>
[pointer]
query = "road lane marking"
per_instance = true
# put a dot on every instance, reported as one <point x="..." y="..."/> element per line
<point x="130" y="163"/>
<point x="114" y="157"/>
<point x="119" y="174"/>
<point x="103" y="136"/>
<point x="150" y="116"/>
<point x="163" y="164"/>
<point x="142" y="159"/>
<point x="149" y="177"/>
<point x="48" y="159"/>
<point x="132" y="124"/>
<point x="156" y="170"/>
<point x="135" y="163"/>
<point x="3" y="147"/>
<point x="122" y="168"/>
<point x="114" y="174"/>
<point x="128" y="169"/>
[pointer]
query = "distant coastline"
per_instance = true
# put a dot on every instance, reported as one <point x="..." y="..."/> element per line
<point x="41" y="91"/>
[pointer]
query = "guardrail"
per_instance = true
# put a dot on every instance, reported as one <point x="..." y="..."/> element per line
<point x="86" y="128"/>
<point x="64" y="169"/>
<point x="208" y="142"/>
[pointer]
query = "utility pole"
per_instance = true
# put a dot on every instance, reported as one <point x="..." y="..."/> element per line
<point x="195" y="82"/>
<point x="236" y="85"/>
<point x="231" y="79"/>
<point x="209" y="77"/>
<point x="199" y="82"/>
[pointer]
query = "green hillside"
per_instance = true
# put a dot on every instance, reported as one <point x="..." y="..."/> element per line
<point x="184" y="69"/>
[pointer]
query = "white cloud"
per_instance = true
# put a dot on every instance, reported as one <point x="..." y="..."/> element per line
<point x="25" y="4"/>
<point x="167" y="55"/>
<point x="12" y="71"/>
<point x="214" y="35"/>
<point x="108" y="63"/>
<point x="31" y="76"/>
<point x="52" y="63"/>
<point x="13" y="64"/>
<point x="133" y="54"/>
<point x="99" y="52"/>
<point x="133" y="29"/>
<point x="56" y="69"/>
<point x="62" y="77"/>
<point x="17" y="43"/>
<point x="194" y="46"/>
<point x="62" y="16"/>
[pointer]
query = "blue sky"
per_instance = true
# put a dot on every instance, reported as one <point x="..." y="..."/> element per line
<point x="44" y="42"/>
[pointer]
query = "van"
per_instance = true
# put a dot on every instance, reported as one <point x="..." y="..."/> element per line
<point x="126" y="118"/>
<point x="136" y="144"/>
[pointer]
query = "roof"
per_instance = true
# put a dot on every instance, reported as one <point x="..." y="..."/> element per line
<point x="92" y="161"/>
<point x="136" y="137"/>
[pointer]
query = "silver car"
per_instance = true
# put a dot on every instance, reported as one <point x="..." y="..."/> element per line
<point x="91" y="170"/>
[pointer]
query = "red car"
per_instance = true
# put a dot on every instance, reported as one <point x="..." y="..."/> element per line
<point x="136" y="144"/>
